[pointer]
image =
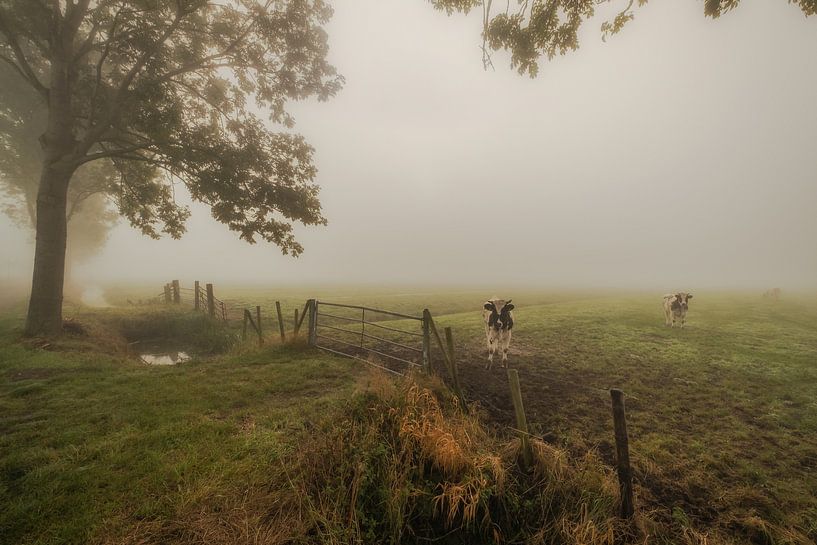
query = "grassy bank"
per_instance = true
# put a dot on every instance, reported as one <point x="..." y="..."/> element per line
<point x="94" y="444"/>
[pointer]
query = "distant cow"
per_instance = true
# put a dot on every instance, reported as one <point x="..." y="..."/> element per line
<point x="498" y="324"/>
<point x="773" y="293"/>
<point x="675" y="307"/>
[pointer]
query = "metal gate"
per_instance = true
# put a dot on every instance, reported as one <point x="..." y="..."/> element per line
<point x="393" y="347"/>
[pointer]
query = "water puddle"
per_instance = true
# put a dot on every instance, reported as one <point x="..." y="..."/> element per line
<point x="165" y="358"/>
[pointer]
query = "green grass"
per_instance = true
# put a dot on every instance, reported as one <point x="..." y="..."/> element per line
<point x="722" y="414"/>
<point x="93" y="443"/>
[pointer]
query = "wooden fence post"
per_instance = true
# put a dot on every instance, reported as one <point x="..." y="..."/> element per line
<point x="455" y="374"/>
<point x="280" y="320"/>
<point x="244" y="327"/>
<point x="625" y="474"/>
<point x="196" y="289"/>
<point x="446" y="357"/>
<point x="211" y="303"/>
<point x="521" y="419"/>
<point x="295" y="326"/>
<point x="258" y="325"/>
<point x="177" y="296"/>
<point x="300" y="320"/>
<point x="426" y="341"/>
<point x="167" y="293"/>
<point x="313" y="322"/>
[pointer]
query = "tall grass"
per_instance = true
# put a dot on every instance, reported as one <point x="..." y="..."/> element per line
<point x="405" y="464"/>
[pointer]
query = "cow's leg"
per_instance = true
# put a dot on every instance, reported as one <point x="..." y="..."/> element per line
<point x="667" y="317"/>
<point x="491" y="350"/>
<point x="506" y="343"/>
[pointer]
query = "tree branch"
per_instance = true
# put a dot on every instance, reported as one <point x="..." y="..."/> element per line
<point x="119" y="152"/>
<point x="74" y="14"/>
<point x="100" y="62"/>
<point x="203" y="62"/>
<point x="23" y="67"/>
<point x="87" y="44"/>
<point x="97" y="131"/>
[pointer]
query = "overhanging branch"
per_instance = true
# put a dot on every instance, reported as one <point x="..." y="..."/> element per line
<point x="119" y="152"/>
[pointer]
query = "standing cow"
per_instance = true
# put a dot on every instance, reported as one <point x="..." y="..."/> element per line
<point x="498" y="324"/>
<point x="773" y="294"/>
<point x="675" y="308"/>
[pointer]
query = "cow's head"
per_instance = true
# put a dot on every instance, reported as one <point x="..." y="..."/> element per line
<point x="500" y="313"/>
<point x="682" y="300"/>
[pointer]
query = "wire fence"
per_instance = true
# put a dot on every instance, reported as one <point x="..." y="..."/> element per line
<point x="201" y="299"/>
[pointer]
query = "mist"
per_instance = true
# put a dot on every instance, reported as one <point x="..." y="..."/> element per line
<point x="678" y="154"/>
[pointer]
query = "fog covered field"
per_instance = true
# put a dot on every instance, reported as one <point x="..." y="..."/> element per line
<point x="721" y="414"/>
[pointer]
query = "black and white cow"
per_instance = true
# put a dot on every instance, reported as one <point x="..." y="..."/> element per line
<point x="675" y="308"/>
<point x="498" y="325"/>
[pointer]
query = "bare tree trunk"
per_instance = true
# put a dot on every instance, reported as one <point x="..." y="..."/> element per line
<point x="45" y="305"/>
<point x="58" y="142"/>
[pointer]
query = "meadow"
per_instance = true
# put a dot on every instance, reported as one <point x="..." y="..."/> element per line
<point x="721" y="414"/>
<point x="98" y="447"/>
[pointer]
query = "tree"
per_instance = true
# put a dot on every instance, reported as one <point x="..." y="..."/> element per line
<point x="169" y="91"/>
<point x="532" y="29"/>
<point x="21" y="123"/>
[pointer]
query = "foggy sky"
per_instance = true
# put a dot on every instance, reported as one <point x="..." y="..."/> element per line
<point x="680" y="154"/>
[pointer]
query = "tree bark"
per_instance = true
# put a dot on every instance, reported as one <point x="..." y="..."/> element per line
<point x="59" y="145"/>
<point x="45" y="305"/>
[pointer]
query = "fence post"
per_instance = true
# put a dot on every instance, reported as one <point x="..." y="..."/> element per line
<point x="177" y="296"/>
<point x="300" y="320"/>
<point x="426" y="341"/>
<point x="196" y="288"/>
<point x="313" y="321"/>
<point x="167" y="293"/>
<point x="211" y="303"/>
<point x="295" y="326"/>
<point x="244" y="327"/>
<point x="625" y="474"/>
<point x="455" y="374"/>
<point x="280" y="320"/>
<point x="258" y="325"/>
<point x="521" y="419"/>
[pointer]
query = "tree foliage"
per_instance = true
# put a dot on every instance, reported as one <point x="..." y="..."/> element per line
<point x="21" y="124"/>
<point x="160" y="92"/>
<point x="532" y="29"/>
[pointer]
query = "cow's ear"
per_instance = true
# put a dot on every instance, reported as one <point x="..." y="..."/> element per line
<point x="488" y="306"/>
<point x="509" y="307"/>
<point x="689" y="296"/>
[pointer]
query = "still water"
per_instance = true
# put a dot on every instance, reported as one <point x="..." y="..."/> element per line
<point x="165" y="358"/>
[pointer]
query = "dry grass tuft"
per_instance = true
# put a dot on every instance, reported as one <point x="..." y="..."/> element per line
<point x="404" y="464"/>
<point x="408" y="464"/>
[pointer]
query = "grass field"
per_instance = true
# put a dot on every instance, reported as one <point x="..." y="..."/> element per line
<point x="722" y="414"/>
<point x="94" y="444"/>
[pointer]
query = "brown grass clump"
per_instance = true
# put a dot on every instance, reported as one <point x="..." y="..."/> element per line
<point x="403" y="463"/>
<point x="407" y="464"/>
